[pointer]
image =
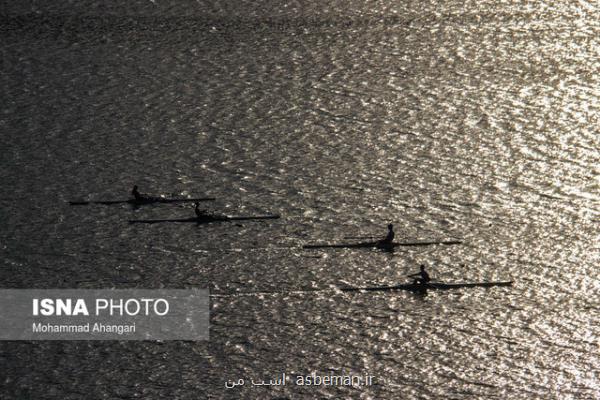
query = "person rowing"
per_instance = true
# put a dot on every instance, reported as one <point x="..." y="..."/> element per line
<point x="423" y="277"/>
<point x="387" y="242"/>
<point x="136" y="194"/>
<point x="389" y="238"/>
<point x="199" y="213"/>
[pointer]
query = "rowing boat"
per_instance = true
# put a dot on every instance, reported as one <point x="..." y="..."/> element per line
<point x="142" y="201"/>
<point x="378" y="245"/>
<point x="205" y="219"/>
<point x="416" y="287"/>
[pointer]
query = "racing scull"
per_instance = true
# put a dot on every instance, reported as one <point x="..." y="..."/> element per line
<point x="142" y="201"/>
<point x="204" y="219"/>
<point x="379" y="244"/>
<point x="416" y="287"/>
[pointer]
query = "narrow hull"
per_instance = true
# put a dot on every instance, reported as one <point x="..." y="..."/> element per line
<point x="430" y="286"/>
<point x="145" y="200"/>
<point x="379" y="245"/>
<point x="201" y="220"/>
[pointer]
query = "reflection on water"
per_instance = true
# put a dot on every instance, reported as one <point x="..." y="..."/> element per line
<point x="451" y="120"/>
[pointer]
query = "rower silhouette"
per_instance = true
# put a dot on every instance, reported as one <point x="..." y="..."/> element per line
<point x="387" y="243"/>
<point x="199" y="213"/>
<point x="423" y="276"/>
<point x="136" y="194"/>
<point x="389" y="238"/>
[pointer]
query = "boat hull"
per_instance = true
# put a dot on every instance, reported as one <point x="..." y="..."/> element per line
<point x="379" y="245"/>
<point x="139" y="202"/>
<point x="429" y="286"/>
<point x="201" y="220"/>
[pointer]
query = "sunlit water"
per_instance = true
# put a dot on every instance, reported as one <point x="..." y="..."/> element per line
<point x="475" y="120"/>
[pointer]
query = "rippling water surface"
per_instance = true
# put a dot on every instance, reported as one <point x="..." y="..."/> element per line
<point x="469" y="120"/>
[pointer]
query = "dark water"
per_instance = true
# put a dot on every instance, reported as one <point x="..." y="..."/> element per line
<point x="477" y="121"/>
